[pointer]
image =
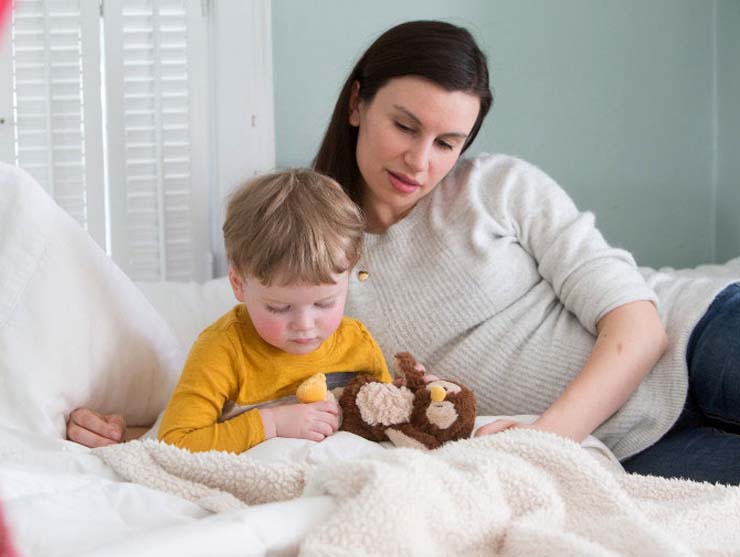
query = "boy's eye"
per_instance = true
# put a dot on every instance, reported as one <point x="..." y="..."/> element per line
<point x="282" y="309"/>
<point x="325" y="305"/>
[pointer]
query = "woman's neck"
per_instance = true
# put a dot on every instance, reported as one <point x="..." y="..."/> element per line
<point x="379" y="218"/>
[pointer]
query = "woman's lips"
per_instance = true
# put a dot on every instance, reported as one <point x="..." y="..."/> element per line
<point x="402" y="183"/>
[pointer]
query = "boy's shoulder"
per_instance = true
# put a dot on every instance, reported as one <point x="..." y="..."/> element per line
<point x="227" y="323"/>
<point x="351" y="323"/>
<point x="352" y="326"/>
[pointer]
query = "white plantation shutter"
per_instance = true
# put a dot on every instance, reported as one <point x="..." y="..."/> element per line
<point x="156" y="51"/>
<point x="141" y="121"/>
<point x="7" y="131"/>
<point x="56" y="104"/>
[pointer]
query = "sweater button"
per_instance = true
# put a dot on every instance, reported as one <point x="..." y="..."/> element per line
<point x="362" y="275"/>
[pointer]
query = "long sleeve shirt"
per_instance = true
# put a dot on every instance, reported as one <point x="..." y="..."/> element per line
<point x="229" y="364"/>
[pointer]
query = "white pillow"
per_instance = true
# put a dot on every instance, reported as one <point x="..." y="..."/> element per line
<point x="189" y="307"/>
<point x="74" y="330"/>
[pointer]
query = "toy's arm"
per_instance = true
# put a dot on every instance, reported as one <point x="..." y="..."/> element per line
<point x="413" y="373"/>
<point x="406" y="435"/>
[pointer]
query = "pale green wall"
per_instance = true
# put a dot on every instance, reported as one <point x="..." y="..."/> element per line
<point x="728" y="118"/>
<point x="612" y="98"/>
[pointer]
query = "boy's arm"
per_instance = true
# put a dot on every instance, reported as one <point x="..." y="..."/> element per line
<point x="208" y="380"/>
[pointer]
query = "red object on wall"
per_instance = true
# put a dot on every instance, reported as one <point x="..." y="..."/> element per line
<point x="6" y="547"/>
<point x="4" y="13"/>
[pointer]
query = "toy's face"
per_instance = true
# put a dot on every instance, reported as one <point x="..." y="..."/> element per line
<point x="441" y="411"/>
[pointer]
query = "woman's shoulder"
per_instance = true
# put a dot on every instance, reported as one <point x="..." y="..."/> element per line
<point x="493" y="166"/>
<point x="488" y="183"/>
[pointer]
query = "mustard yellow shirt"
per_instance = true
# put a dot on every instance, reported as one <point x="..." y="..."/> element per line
<point x="229" y="362"/>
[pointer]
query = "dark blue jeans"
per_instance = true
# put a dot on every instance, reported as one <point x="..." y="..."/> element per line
<point x="704" y="444"/>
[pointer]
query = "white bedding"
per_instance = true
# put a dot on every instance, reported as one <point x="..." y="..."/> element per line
<point x="59" y="499"/>
<point x="75" y="331"/>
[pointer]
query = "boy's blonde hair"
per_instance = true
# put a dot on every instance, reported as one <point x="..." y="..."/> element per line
<point x="293" y="226"/>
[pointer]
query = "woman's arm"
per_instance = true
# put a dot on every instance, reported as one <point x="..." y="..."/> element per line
<point x="134" y="432"/>
<point x="631" y="339"/>
<point x="92" y="429"/>
<point x="89" y="428"/>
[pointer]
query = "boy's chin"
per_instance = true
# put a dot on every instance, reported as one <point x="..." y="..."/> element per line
<point x="300" y="348"/>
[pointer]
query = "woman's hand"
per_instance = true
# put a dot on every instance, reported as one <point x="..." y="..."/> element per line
<point x="498" y="426"/>
<point x="315" y="421"/>
<point x="92" y="429"/>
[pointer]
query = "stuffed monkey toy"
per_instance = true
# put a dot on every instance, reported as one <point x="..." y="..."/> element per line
<point x="414" y="414"/>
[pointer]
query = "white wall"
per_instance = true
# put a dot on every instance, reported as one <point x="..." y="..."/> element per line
<point x="242" y="103"/>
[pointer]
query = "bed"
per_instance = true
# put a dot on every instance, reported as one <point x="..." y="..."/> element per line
<point x="75" y="331"/>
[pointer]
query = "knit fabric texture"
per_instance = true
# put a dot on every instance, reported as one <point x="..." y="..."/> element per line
<point x="497" y="280"/>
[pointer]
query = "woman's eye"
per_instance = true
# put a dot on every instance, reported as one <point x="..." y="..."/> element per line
<point x="273" y="309"/>
<point x="445" y="145"/>
<point x="403" y="128"/>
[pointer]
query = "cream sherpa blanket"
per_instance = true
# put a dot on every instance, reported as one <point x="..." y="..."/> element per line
<point x="517" y="493"/>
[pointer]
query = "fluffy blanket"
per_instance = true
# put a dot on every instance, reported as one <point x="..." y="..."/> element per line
<point x="517" y="493"/>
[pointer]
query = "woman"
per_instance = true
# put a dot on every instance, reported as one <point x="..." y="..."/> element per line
<point x="485" y="270"/>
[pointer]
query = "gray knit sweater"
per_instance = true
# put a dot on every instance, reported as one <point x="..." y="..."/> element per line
<point x="497" y="280"/>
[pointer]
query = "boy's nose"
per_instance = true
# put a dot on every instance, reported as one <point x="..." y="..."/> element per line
<point x="303" y="321"/>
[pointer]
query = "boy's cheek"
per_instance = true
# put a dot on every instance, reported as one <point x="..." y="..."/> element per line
<point x="270" y="330"/>
<point x="333" y="321"/>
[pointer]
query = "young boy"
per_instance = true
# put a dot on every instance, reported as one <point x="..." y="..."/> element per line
<point x="291" y="238"/>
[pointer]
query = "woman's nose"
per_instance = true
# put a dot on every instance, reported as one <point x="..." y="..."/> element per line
<point x="417" y="156"/>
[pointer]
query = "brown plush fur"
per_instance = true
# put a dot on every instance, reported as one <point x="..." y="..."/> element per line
<point x="414" y="425"/>
<point x="404" y="365"/>
<point x="351" y="418"/>
<point x="464" y="403"/>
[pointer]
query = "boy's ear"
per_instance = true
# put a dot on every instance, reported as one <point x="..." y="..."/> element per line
<point x="237" y="284"/>
<point x="354" y="105"/>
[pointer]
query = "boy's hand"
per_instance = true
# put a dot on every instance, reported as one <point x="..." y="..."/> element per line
<point x="314" y="421"/>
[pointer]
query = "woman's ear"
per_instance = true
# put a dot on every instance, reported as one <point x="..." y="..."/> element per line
<point x="237" y="284"/>
<point x="354" y="105"/>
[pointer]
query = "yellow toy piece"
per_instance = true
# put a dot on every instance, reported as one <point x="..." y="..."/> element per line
<point x="438" y="393"/>
<point x="312" y="389"/>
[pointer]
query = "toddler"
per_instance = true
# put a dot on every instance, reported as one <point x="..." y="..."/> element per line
<point x="292" y="238"/>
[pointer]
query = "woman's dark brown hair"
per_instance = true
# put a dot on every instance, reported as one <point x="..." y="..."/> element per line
<point x="440" y="52"/>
